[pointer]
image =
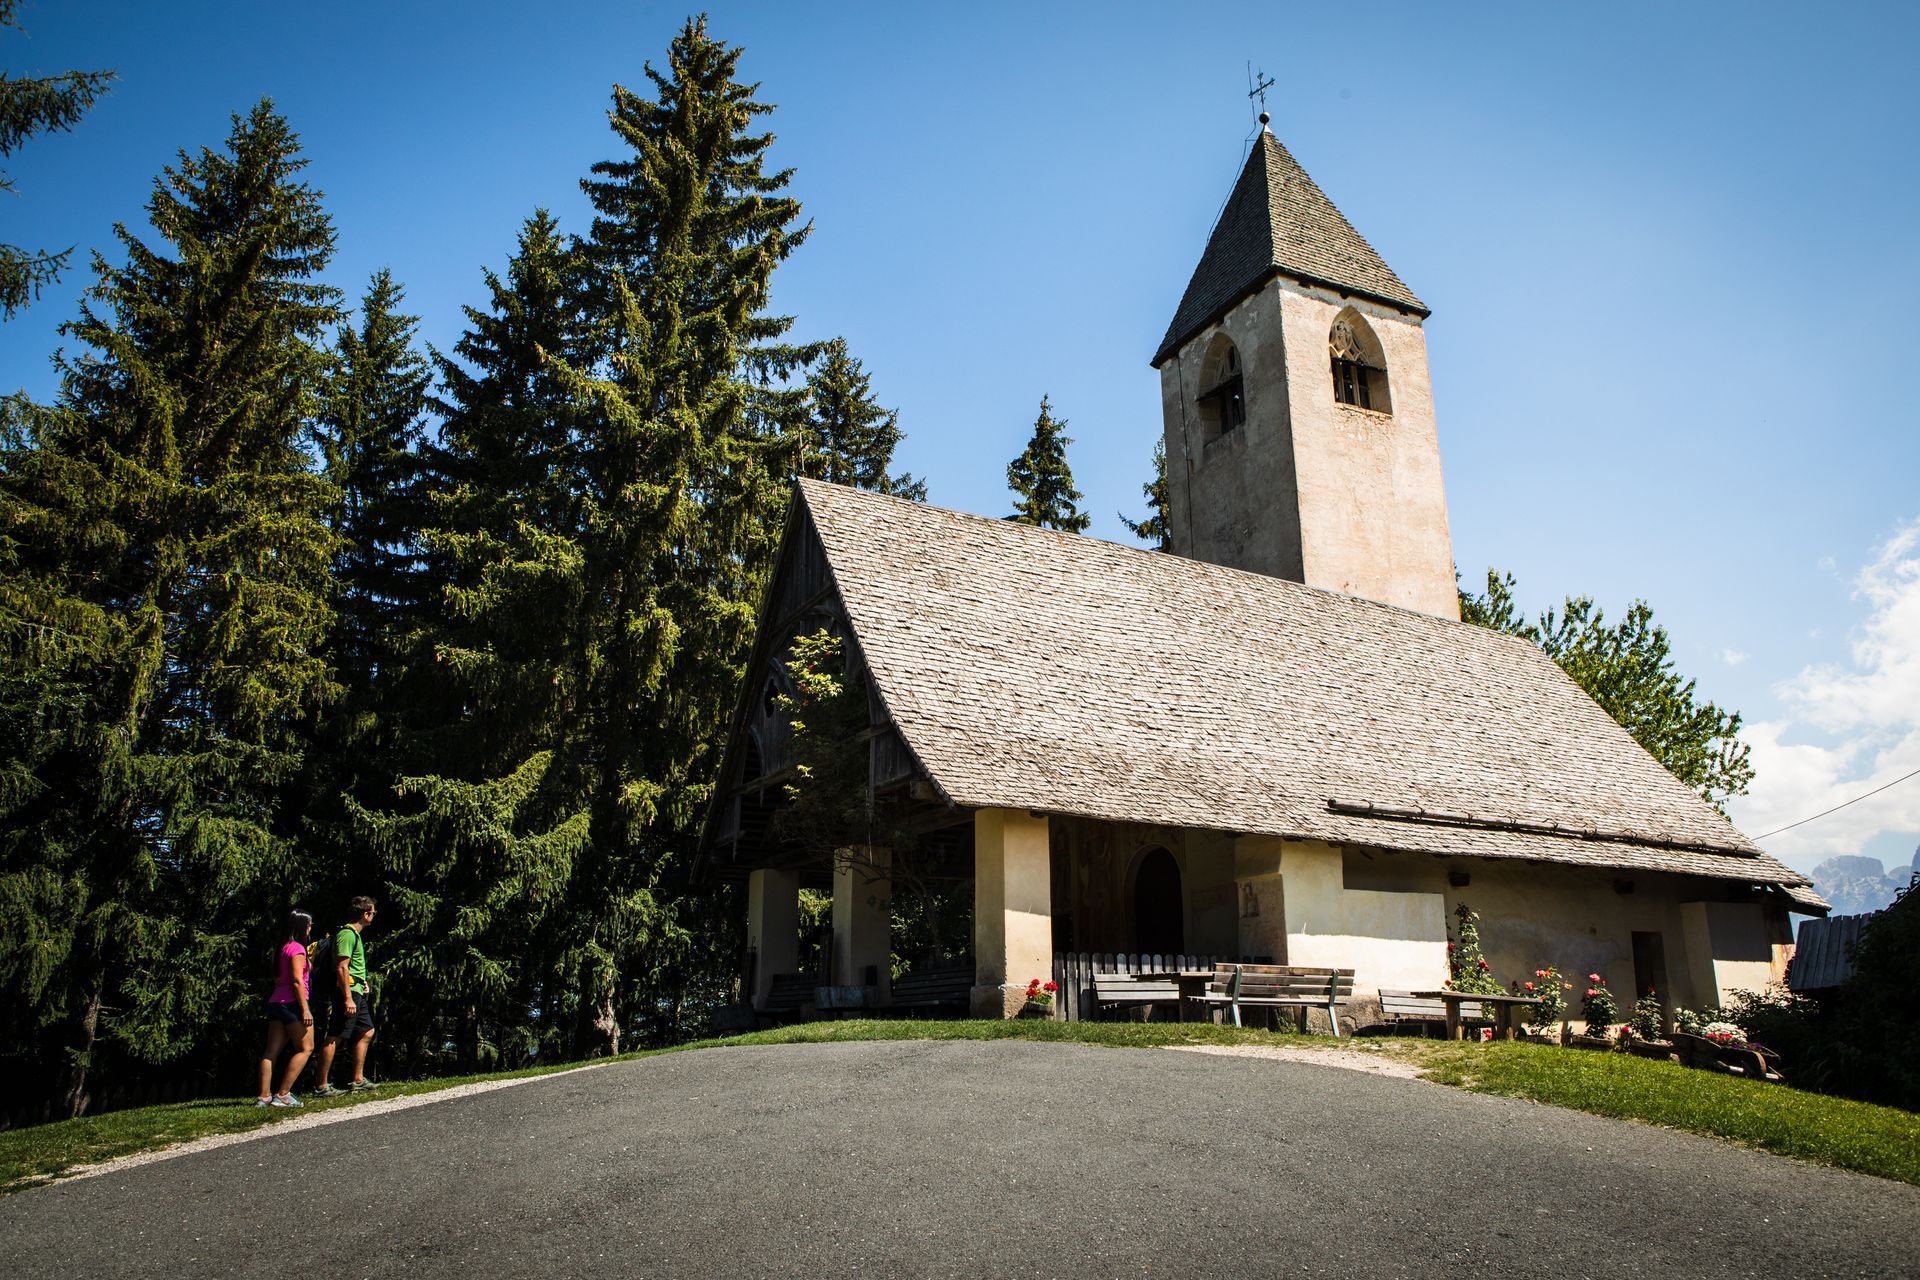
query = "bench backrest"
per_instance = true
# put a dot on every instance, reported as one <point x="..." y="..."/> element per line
<point x="790" y="990"/>
<point x="1405" y="1004"/>
<point x="947" y="984"/>
<point x="1115" y="988"/>
<point x="1280" y="982"/>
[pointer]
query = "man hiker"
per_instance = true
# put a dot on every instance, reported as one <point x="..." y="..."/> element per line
<point x="352" y="1000"/>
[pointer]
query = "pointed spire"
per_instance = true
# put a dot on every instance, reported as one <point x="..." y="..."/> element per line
<point x="1277" y="222"/>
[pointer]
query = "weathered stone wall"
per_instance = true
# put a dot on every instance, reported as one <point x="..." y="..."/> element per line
<point x="1310" y="489"/>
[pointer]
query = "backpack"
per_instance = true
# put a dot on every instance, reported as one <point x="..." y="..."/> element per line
<point x="323" y="979"/>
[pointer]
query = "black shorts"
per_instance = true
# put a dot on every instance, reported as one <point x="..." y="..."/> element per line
<point x="351" y="1026"/>
<point x="283" y="1011"/>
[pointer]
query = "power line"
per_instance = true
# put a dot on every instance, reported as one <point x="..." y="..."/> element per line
<point x="1843" y="804"/>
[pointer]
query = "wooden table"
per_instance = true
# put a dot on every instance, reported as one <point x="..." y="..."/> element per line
<point x="1503" y="1009"/>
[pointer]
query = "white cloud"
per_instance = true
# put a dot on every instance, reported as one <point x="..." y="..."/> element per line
<point x="1868" y="708"/>
<point x="1732" y="657"/>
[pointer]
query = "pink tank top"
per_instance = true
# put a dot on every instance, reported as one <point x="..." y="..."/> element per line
<point x="283" y="990"/>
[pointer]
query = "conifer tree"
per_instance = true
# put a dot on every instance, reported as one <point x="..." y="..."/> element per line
<point x="166" y="507"/>
<point x="1042" y="482"/>
<point x="477" y="846"/>
<point x="850" y="439"/>
<point x="369" y="433"/>
<point x="367" y="436"/>
<point x="1154" y="528"/>
<point x="683" y="491"/>
<point x="29" y="106"/>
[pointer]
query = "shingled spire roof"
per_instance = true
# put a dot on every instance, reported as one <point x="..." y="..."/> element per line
<point x="1277" y="222"/>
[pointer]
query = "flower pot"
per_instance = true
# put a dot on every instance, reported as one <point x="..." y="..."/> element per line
<point x="1601" y="1043"/>
<point x="1032" y="1009"/>
<point x="1658" y="1050"/>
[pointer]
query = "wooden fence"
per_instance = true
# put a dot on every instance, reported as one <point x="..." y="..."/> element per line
<point x="1073" y="972"/>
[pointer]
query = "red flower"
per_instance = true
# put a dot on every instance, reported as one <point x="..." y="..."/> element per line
<point x="1050" y="987"/>
<point x="1595" y="978"/>
<point x="1449" y="946"/>
<point x="1529" y="986"/>
<point x="1483" y="964"/>
<point x="1591" y="993"/>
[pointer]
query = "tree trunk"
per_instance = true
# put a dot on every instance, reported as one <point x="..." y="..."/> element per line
<point x="606" y="1024"/>
<point x="73" y="1093"/>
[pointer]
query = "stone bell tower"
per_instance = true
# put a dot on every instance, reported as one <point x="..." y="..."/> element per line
<point x="1299" y="417"/>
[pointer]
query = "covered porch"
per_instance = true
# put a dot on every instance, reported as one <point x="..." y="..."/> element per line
<point x="1051" y="894"/>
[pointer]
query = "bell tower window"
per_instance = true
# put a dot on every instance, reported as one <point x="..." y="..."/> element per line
<point x="1223" y="401"/>
<point x="1359" y="364"/>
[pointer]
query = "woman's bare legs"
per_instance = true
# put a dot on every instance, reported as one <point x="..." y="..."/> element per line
<point x="276" y="1041"/>
<point x="300" y="1039"/>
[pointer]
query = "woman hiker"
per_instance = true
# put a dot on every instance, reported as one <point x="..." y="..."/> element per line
<point x="289" y="1018"/>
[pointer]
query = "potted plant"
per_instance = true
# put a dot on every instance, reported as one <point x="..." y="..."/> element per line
<point x="1645" y="1032"/>
<point x="1550" y="989"/>
<point x="1597" y="1007"/>
<point x="1039" y="999"/>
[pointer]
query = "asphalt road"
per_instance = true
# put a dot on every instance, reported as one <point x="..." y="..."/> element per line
<point x="968" y="1159"/>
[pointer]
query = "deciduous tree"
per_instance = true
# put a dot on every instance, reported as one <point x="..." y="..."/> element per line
<point x="1627" y="667"/>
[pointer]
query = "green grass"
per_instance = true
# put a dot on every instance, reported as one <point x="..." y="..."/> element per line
<point x="1852" y="1135"/>
<point x="37" y="1154"/>
<point x="1833" y="1131"/>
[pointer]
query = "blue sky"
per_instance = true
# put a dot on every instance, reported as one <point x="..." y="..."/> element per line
<point x="1670" y="253"/>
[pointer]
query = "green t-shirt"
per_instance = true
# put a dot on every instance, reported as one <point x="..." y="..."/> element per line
<point x="348" y="946"/>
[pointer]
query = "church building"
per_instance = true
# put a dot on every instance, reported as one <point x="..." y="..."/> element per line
<point x="1279" y="740"/>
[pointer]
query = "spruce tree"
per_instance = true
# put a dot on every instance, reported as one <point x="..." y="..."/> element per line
<point x="179" y="540"/>
<point x="367" y="436"/>
<point x="849" y="438"/>
<point x="1042" y="482"/>
<point x="28" y="107"/>
<point x="683" y="492"/>
<point x="478" y="840"/>
<point x="1154" y="529"/>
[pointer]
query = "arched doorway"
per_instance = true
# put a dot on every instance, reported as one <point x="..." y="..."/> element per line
<point x="1159" y="909"/>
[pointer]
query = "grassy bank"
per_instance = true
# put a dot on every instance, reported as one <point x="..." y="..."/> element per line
<point x="1832" y="1131"/>
<point x="1807" y="1126"/>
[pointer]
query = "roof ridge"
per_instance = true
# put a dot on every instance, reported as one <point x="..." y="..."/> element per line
<point x="1207" y="565"/>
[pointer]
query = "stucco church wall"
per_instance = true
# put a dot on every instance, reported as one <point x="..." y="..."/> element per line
<point x="1231" y="497"/>
<point x="1576" y="918"/>
<point x="1348" y="460"/>
<point x="1307" y="488"/>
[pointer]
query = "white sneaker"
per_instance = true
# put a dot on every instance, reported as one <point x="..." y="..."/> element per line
<point x="263" y="1102"/>
<point x="286" y="1100"/>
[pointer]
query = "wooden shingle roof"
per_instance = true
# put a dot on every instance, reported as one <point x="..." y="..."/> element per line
<point x="1032" y="669"/>
<point x="1277" y="221"/>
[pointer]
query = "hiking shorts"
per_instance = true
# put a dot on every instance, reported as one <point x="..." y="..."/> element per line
<point x="351" y="1026"/>
<point x="283" y="1011"/>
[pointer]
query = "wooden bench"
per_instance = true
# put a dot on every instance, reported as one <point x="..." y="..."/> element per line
<point x="936" y="988"/>
<point x="1131" y="990"/>
<point x="1404" y="1006"/>
<point x="1279" y="986"/>
<point x="787" y="997"/>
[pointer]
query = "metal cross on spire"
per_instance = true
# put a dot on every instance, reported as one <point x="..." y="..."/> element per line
<point x="1257" y="85"/>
